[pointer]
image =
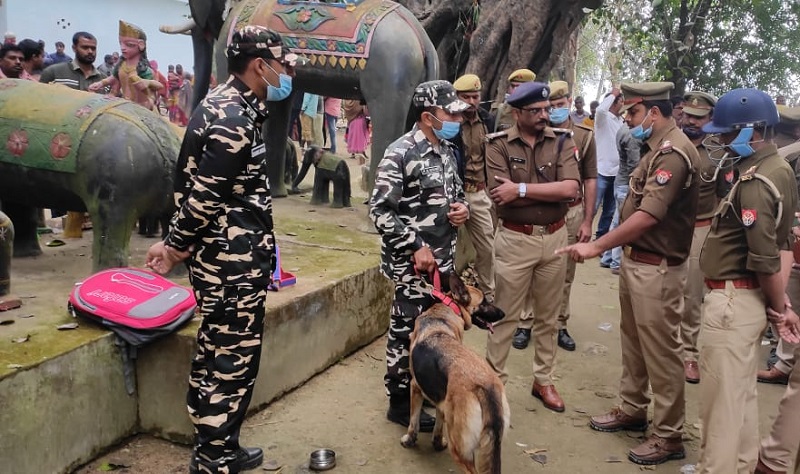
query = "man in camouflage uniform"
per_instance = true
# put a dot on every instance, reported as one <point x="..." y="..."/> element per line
<point x="224" y="227"/>
<point x="579" y="217"/>
<point x="417" y="204"/>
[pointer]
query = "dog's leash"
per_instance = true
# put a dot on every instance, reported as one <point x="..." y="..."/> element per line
<point x="436" y="290"/>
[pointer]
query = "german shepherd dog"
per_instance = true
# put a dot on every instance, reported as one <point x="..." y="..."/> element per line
<point x="470" y="398"/>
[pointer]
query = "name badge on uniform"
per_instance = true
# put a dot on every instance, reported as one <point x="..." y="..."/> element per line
<point x="433" y="174"/>
<point x="514" y="159"/>
<point x="663" y="176"/>
<point x="749" y="217"/>
<point x="259" y="150"/>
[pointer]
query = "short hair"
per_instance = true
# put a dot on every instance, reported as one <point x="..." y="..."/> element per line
<point x="594" y="104"/>
<point x="664" y="106"/>
<point x="81" y="34"/>
<point x="108" y="57"/>
<point x="30" y="48"/>
<point x="579" y="98"/>
<point x="7" y="48"/>
<point x="238" y="64"/>
<point x="59" y="43"/>
<point x="677" y="100"/>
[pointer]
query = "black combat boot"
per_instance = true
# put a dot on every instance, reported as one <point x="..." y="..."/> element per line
<point x="245" y="459"/>
<point x="521" y="338"/>
<point x="400" y="411"/>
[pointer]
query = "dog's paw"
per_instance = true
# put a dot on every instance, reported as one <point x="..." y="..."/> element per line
<point x="408" y="441"/>
<point x="439" y="443"/>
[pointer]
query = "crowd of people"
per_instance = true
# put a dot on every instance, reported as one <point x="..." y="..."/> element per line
<point x="27" y="59"/>
<point x="696" y="215"/>
<point x="315" y="119"/>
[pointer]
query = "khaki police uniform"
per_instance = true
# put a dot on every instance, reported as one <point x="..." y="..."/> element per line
<point x="698" y="104"/>
<point x="751" y="225"/>
<point x="480" y="225"/>
<point x="527" y="237"/>
<point x="780" y="451"/>
<point x="653" y="274"/>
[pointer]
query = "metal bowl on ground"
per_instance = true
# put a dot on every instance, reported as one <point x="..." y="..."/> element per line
<point x="322" y="460"/>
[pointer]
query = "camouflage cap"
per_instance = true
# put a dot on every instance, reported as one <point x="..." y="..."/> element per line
<point x="468" y="83"/>
<point x="699" y="104"/>
<point x="645" y="91"/>
<point x="789" y="115"/>
<point x="559" y="89"/>
<point x="260" y="41"/>
<point x="438" y="94"/>
<point x="522" y="75"/>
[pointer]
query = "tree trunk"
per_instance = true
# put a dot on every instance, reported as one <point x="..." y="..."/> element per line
<point x="508" y="35"/>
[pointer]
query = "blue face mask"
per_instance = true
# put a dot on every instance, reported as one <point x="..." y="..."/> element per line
<point x="559" y="115"/>
<point x="741" y="144"/>
<point x="276" y="94"/>
<point x="448" y="130"/>
<point x="640" y="133"/>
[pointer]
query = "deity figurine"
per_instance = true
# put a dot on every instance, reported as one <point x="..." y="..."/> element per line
<point x="132" y="76"/>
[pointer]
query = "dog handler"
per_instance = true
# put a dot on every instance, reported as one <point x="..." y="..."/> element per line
<point x="417" y="204"/>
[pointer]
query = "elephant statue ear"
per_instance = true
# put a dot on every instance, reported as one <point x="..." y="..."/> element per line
<point x="209" y="15"/>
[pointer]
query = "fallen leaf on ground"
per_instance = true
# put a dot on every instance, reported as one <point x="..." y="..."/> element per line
<point x="291" y="234"/>
<point x="68" y="326"/>
<point x="535" y="451"/>
<point x="540" y="458"/>
<point x="20" y="340"/>
<point x="272" y="465"/>
<point x="608" y="306"/>
<point x="342" y="225"/>
<point x="613" y="459"/>
<point x="521" y="445"/>
<point x="25" y="316"/>
<point x="603" y="394"/>
<point x="14" y="366"/>
<point x="6" y="322"/>
<point x="361" y="462"/>
<point x="113" y="466"/>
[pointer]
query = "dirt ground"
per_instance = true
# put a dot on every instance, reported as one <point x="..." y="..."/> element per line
<point x="344" y="407"/>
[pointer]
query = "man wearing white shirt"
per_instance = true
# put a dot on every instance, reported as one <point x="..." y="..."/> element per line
<point x="607" y="122"/>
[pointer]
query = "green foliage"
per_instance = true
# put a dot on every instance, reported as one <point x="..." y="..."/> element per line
<point x="712" y="45"/>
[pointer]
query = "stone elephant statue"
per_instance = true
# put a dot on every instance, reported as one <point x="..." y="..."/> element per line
<point x="80" y="151"/>
<point x="328" y="169"/>
<point x="370" y="50"/>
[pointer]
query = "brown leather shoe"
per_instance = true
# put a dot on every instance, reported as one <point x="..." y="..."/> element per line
<point x="656" y="450"/>
<point x="549" y="396"/>
<point x="773" y="375"/>
<point x="762" y="468"/>
<point x="692" y="371"/>
<point x="617" y="420"/>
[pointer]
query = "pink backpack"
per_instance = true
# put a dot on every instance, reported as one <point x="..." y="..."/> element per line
<point x="138" y="305"/>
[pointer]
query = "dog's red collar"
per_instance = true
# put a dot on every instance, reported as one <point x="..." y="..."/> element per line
<point x="446" y="300"/>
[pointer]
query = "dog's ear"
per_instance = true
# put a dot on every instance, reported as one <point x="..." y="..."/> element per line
<point x="458" y="290"/>
<point x="475" y="298"/>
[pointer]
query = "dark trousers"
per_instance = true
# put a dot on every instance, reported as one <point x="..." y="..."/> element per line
<point x="225" y="367"/>
<point x="408" y="303"/>
<point x="605" y="197"/>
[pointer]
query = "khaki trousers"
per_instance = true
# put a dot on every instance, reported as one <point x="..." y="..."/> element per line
<point x="574" y="220"/>
<point x="651" y="305"/>
<point x="693" y="297"/>
<point x="786" y="351"/>
<point x="733" y="323"/>
<point x="781" y="450"/>
<point x="526" y="267"/>
<point x="481" y="233"/>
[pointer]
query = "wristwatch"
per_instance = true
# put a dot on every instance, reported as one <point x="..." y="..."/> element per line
<point x="523" y="189"/>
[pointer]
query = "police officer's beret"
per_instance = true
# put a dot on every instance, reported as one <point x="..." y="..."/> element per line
<point x="522" y="75"/>
<point x="699" y="104"/>
<point x="558" y="89"/>
<point x="528" y="93"/>
<point x="645" y="91"/>
<point x="438" y="94"/>
<point x="789" y="115"/>
<point x="260" y="41"/>
<point x="468" y="83"/>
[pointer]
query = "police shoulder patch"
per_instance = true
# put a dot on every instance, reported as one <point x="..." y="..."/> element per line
<point x="749" y="217"/>
<point x="748" y="175"/>
<point x="666" y="147"/>
<point x="491" y="136"/>
<point x="562" y="130"/>
<point x="663" y="176"/>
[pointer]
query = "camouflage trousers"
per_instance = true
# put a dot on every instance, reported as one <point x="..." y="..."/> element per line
<point x="409" y="302"/>
<point x="224" y="369"/>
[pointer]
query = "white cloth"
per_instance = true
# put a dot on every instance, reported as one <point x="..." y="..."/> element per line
<point x="606" y="126"/>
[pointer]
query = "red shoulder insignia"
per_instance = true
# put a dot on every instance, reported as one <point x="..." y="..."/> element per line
<point x="577" y="155"/>
<point x="663" y="176"/>
<point x="749" y="217"/>
<point x="729" y="177"/>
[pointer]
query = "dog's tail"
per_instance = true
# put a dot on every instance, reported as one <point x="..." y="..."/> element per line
<point x="496" y="418"/>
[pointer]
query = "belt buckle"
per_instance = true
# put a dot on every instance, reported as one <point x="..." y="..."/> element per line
<point x="627" y="251"/>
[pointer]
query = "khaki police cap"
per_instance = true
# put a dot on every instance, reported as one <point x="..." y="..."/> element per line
<point x="558" y="89"/>
<point x="468" y="83"/>
<point x="699" y="104"/>
<point x="522" y="75"/>
<point x="789" y="115"/>
<point x="637" y="93"/>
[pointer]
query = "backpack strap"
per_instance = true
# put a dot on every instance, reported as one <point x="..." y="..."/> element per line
<point x="129" y="355"/>
<point x="667" y="147"/>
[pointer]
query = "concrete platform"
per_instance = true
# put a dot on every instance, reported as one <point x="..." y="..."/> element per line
<point x="64" y="390"/>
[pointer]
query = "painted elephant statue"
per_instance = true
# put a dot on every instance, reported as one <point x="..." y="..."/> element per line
<point x="80" y="151"/>
<point x="370" y="50"/>
<point x="6" y="246"/>
<point x="328" y="169"/>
